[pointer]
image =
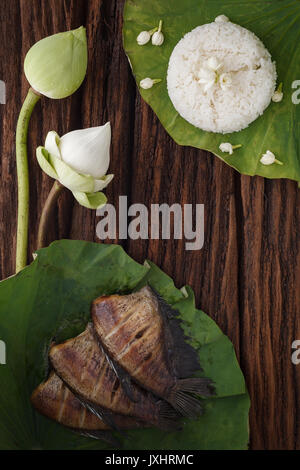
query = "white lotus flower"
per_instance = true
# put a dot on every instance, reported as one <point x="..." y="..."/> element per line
<point x="148" y="83"/>
<point x="221" y="19"/>
<point x="226" y="147"/>
<point x="158" y="37"/>
<point x="79" y="160"/>
<point x="269" y="158"/>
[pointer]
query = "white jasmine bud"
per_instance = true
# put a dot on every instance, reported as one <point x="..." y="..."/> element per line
<point x="145" y="36"/>
<point x="147" y="83"/>
<point x="158" y="37"/>
<point x="208" y="75"/>
<point x="269" y="158"/>
<point x="213" y="64"/>
<point x="225" y="81"/>
<point x="278" y="95"/>
<point x="222" y="19"/>
<point x="227" y="147"/>
<point x="207" y="78"/>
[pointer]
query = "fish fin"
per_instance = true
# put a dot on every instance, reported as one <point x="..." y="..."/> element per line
<point x="167" y="417"/>
<point x="106" y="436"/>
<point x="123" y="376"/>
<point x="182" y="355"/>
<point x="182" y="396"/>
<point x="105" y="415"/>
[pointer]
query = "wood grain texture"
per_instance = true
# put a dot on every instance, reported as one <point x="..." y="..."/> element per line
<point x="247" y="275"/>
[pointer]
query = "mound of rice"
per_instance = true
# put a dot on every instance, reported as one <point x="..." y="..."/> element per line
<point x="248" y="68"/>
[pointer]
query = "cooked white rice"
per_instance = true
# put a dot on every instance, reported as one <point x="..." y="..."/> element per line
<point x="241" y="54"/>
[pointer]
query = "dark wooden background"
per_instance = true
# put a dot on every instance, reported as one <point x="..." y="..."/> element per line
<point x="246" y="277"/>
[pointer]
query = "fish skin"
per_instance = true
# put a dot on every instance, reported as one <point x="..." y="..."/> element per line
<point x="140" y="333"/>
<point x="54" y="400"/>
<point x="82" y="365"/>
<point x="119" y="321"/>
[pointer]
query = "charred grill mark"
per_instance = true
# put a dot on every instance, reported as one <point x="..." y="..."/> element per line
<point x="63" y="401"/>
<point x="123" y="318"/>
<point x="126" y="348"/>
<point x="102" y="374"/>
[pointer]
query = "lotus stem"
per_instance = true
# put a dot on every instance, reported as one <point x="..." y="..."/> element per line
<point x="47" y="212"/>
<point x="23" y="177"/>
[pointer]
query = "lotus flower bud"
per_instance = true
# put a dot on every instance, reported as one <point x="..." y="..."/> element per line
<point x="56" y="65"/>
<point x="79" y="160"/>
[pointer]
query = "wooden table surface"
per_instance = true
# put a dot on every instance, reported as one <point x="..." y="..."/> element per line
<point x="247" y="275"/>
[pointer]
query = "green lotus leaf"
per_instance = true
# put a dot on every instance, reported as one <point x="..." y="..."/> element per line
<point x="277" y="24"/>
<point x="90" y="200"/>
<point x="51" y="298"/>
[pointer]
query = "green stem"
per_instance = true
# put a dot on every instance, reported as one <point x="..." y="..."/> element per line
<point x="47" y="212"/>
<point x="23" y="178"/>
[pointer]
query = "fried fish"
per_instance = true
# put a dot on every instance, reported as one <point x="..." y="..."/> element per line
<point x="53" y="399"/>
<point x="143" y="337"/>
<point x="83" y="366"/>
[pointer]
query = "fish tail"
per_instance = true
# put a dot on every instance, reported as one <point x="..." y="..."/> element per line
<point x="167" y="417"/>
<point x="182" y="396"/>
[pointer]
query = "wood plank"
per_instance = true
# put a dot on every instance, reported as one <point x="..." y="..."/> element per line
<point x="246" y="276"/>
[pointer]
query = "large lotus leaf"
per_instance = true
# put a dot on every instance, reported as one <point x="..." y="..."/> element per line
<point x="51" y="298"/>
<point x="277" y="24"/>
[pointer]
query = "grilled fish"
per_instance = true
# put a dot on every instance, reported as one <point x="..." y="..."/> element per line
<point x="142" y="335"/>
<point x="82" y="365"/>
<point x="53" y="399"/>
